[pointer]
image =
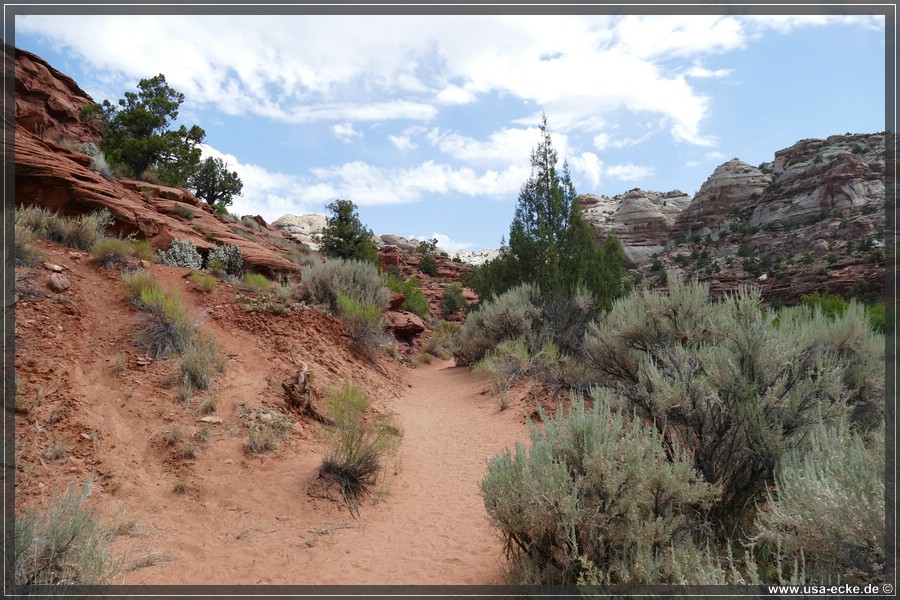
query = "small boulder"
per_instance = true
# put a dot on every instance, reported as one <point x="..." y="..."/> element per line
<point x="58" y="282"/>
<point x="405" y="325"/>
<point x="397" y="301"/>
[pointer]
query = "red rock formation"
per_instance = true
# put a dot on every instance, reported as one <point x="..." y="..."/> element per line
<point x="48" y="102"/>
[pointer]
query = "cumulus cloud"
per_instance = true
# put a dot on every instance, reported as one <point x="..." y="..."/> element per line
<point x="698" y="71"/>
<point x="345" y="132"/>
<point x="444" y="241"/>
<point x="589" y="165"/>
<point x="629" y="172"/>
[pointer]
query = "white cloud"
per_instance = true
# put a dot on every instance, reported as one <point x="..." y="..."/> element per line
<point x="698" y="71"/>
<point x="692" y="163"/>
<point x="453" y="94"/>
<point x="602" y="141"/>
<point x="629" y="172"/>
<point x="509" y="146"/>
<point x="590" y="165"/>
<point x="444" y="241"/>
<point x="716" y="155"/>
<point x="345" y="132"/>
<point x="402" y="142"/>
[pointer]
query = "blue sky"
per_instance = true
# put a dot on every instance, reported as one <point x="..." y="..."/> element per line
<point x="427" y="122"/>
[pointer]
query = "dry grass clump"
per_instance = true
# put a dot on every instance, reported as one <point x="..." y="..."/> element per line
<point x="356" y="449"/>
<point x="204" y="282"/>
<point x="200" y="359"/>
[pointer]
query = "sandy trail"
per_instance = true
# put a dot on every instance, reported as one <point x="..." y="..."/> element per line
<point x="432" y="527"/>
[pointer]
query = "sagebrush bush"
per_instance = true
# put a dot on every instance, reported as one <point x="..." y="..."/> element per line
<point x="64" y="543"/>
<point x="166" y="325"/>
<point x="323" y="282"/>
<point x="26" y="254"/>
<point x="565" y="319"/>
<point x="827" y="508"/>
<point x="599" y="498"/>
<point x="443" y="334"/>
<point x="183" y="210"/>
<point x="230" y="258"/>
<point x="511" y="315"/>
<point x="79" y="232"/>
<point x="721" y="379"/>
<point x="364" y="323"/>
<point x="200" y="359"/>
<point x="355" y="450"/>
<point x="181" y="253"/>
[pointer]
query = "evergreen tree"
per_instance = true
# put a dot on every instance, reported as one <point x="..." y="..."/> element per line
<point x="215" y="184"/>
<point x="550" y="243"/>
<point x="137" y="134"/>
<point x="345" y="236"/>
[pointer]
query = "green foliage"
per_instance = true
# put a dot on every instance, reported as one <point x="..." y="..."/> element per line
<point x="137" y="134"/>
<point x="136" y="282"/>
<point x="511" y="315"/>
<point x="80" y="232"/>
<point x="830" y="305"/>
<point x="828" y="508"/>
<point x="257" y="281"/>
<point x="26" y="254"/>
<point x="110" y="251"/>
<point x="200" y="358"/>
<point x="166" y="326"/>
<point x="323" y="282"/>
<point x="183" y="210"/>
<point x="227" y="258"/>
<point x="415" y="301"/>
<point x="550" y="243"/>
<point x="64" y="543"/>
<point x="427" y="246"/>
<point x="364" y="323"/>
<point x="720" y="379"/>
<point x="453" y="300"/>
<point x="443" y="334"/>
<point x="599" y="498"/>
<point x="355" y="450"/>
<point x="181" y="253"/>
<point x="215" y="184"/>
<point x="204" y="282"/>
<point x="428" y="266"/>
<point x="344" y="235"/>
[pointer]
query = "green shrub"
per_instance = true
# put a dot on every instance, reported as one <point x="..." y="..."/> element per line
<point x="135" y="282"/>
<point x="364" y="323"/>
<point x="250" y="223"/>
<point x="200" y="358"/>
<point x="877" y="316"/>
<point x="599" y="498"/>
<point x="510" y="315"/>
<point x="428" y="266"/>
<point x="204" y="282"/>
<point x="828" y="509"/>
<point x="721" y="379"/>
<point x="257" y="281"/>
<point x="230" y="259"/>
<point x="110" y="251"/>
<point x="182" y="253"/>
<point x="443" y="334"/>
<point x="415" y="301"/>
<point x="26" y="255"/>
<point x="166" y="326"/>
<point x="64" y="543"/>
<point x="510" y="360"/>
<point x="453" y="300"/>
<point x="183" y="210"/>
<point x="355" y="450"/>
<point x="79" y="232"/>
<point x="324" y="282"/>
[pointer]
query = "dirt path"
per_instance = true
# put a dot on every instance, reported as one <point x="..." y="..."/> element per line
<point x="432" y="527"/>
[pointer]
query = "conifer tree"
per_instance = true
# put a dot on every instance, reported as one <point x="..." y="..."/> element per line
<point x="345" y="236"/>
<point x="550" y="243"/>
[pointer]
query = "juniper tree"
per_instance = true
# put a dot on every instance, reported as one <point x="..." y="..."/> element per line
<point x="344" y="235"/>
<point x="550" y="243"/>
